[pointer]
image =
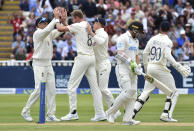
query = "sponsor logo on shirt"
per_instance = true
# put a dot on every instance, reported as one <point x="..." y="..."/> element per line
<point x="132" y="48"/>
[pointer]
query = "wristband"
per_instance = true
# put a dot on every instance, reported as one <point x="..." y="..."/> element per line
<point x="57" y="20"/>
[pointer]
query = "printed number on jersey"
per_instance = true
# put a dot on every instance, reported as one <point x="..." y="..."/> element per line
<point x="155" y="53"/>
<point x="89" y="42"/>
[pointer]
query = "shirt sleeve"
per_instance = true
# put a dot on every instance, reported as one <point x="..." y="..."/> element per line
<point x="41" y="34"/>
<point x="120" y="44"/>
<point x="55" y="33"/>
<point x="99" y="39"/>
<point x="74" y="28"/>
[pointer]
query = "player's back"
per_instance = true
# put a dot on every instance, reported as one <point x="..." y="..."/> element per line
<point x="156" y="48"/>
<point x="83" y="39"/>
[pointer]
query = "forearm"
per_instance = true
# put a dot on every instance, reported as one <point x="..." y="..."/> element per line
<point x="123" y="57"/>
<point x="61" y="28"/>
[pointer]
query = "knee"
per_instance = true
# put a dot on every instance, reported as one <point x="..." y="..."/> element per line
<point x="144" y="96"/>
<point x="130" y="93"/>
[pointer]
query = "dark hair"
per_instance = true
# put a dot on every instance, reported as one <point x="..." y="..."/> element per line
<point x="165" y="26"/>
<point x="77" y="13"/>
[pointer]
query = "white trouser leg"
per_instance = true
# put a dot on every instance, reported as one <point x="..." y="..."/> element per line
<point x="128" y="92"/>
<point x="40" y="74"/>
<point x="103" y="72"/>
<point x="50" y="92"/>
<point x="92" y="79"/>
<point x="163" y="75"/>
<point x="129" y="106"/>
<point x="79" y="68"/>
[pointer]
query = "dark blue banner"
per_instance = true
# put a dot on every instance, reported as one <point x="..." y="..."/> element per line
<point x="22" y="77"/>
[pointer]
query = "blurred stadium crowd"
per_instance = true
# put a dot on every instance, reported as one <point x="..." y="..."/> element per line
<point x="118" y="14"/>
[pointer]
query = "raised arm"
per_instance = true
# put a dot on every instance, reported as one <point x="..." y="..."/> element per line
<point x="99" y="39"/>
<point x="41" y="34"/>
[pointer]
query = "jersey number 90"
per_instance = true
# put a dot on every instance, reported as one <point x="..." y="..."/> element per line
<point x="155" y="53"/>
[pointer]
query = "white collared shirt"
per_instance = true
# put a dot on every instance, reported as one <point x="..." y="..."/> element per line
<point x="128" y="44"/>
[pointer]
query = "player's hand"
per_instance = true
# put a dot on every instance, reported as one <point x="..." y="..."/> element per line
<point x="136" y="69"/>
<point x="184" y="70"/>
<point x="56" y="13"/>
<point x="63" y="15"/>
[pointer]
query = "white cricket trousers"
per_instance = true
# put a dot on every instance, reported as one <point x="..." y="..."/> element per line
<point x="43" y="74"/>
<point x="103" y="71"/>
<point x="162" y="74"/>
<point x="84" y="65"/>
<point x="128" y="83"/>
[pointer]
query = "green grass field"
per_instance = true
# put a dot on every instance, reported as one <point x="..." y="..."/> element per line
<point x="11" y="106"/>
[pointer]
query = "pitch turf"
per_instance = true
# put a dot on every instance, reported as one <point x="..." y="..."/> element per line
<point x="11" y="106"/>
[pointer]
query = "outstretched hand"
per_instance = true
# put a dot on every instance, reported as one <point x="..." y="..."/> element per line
<point x="56" y="13"/>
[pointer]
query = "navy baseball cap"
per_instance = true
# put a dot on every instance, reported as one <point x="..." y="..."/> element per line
<point x="40" y="20"/>
<point x="100" y="20"/>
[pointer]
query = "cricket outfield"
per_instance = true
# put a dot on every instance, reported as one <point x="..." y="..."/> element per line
<point x="11" y="106"/>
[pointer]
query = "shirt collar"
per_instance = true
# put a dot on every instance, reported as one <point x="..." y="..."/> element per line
<point x="99" y="30"/>
<point x="129" y="34"/>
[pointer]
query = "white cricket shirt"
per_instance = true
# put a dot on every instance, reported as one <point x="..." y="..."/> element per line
<point x="156" y="48"/>
<point x="82" y="38"/>
<point x="101" y="45"/>
<point x="43" y="44"/>
<point x="129" y="45"/>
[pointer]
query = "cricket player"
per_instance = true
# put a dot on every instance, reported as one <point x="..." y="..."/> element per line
<point x="126" y="72"/>
<point x="42" y="67"/>
<point x="84" y="64"/>
<point x="103" y="65"/>
<point x="158" y="51"/>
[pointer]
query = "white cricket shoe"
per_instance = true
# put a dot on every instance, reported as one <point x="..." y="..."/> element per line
<point x="70" y="117"/>
<point x="52" y="119"/>
<point x="118" y="113"/>
<point x="26" y="115"/>
<point x="110" y="118"/>
<point x="167" y="119"/>
<point x="98" y="118"/>
<point x="132" y="122"/>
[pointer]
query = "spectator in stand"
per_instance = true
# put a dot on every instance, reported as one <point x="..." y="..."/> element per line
<point x="31" y="24"/>
<point x="132" y="19"/>
<point x="29" y="48"/>
<point x="34" y="7"/>
<point x="60" y="44"/>
<point x="191" y="20"/>
<point x="124" y="14"/>
<point x="46" y="8"/>
<point x="73" y="5"/>
<point x="24" y="5"/>
<point x="56" y="54"/>
<point x="69" y="51"/>
<point x="139" y="13"/>
<point x="189" y="33"/>
<point x="18" y="44"/>
<point x="177" y="52"/>
<point x="116" y="35"/>
<point x="187" y="51"/>
<point x="182" y="39"/>
<point x="178" y="29"/>
<point x="29" y="45"/>
<point x="179" y="7"/>
<point x="109" y="28"/>
<point x="119" y="22"/>
<point x="101" y="8"/>
<point x="16" y="21"/>
<point x="20" y="55"/>
<point x="89" y="8"/>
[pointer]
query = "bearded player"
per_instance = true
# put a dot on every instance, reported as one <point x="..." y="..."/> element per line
<point x="126" y="72"/>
